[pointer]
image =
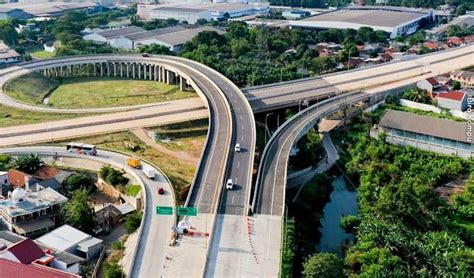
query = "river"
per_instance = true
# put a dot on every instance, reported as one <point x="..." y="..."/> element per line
<point x="343" y="201"/>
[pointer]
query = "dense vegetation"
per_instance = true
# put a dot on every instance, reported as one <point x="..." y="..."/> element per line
<point x="265" y="55"/>
<point x="78" y="212"/>
<point x="405" y="228"/>
<point x="75" y="182"/>
<point x="27" y="163"/>
<point x="4" y="162"/>
<point x="132" y="221"/>
<point x="112" y="176"/>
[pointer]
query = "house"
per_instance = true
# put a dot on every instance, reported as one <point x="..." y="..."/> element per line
<point x="425" y="133"/>
<point x="431" y="45"/>
<point x="455" y="41"/>
<point x="453" y="100"/>
<point x="25" y="252"/>
<point x="14" y="269"/>
<point x="62" y="260"/>
<point x="73" y="241"/>
<point x="31" y="213"/>
<point x="19" y="179"/>
<point x="8" y="56"/>
<point x="469" y="39"/>
<point x="466" y="78"/>
<point x="429" y="84"/>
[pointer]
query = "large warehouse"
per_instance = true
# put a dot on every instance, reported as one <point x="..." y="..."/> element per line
<point x="394" y="20"/>
<point x="50" y="9"/>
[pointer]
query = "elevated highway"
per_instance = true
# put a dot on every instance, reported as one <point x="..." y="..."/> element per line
<point x="291" y="93"/>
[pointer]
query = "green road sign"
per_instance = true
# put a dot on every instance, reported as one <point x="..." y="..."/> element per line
<point x="186" y="211"/>
<point x="164" y="210"/>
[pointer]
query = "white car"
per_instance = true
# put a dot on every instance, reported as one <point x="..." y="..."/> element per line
<point x="237" y="148"/>
<point x="229" y="185"/>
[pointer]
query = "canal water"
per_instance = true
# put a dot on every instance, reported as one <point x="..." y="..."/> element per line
<point x="343" y="201"/>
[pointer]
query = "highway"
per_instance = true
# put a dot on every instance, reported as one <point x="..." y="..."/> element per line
<point x="291" y="93"/>
<point x="154" y="228"/>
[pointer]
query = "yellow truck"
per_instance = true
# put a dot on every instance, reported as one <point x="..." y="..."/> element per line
<point x="134" y="162"/>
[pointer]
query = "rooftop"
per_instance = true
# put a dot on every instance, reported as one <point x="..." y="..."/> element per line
<point x="26" y="251"/>
<point x="64" y="238"/>
<point x="463" y="74"/>
<point x="113" y="33"/>
<point x="154" y="33"/>
<point x="42" y="9"/>
<point x="180" y="37"/>
<point x="465" y="20"/>
<point x="31" y="201"/>
<point x="425" y="125"/>
<point x="453" y="95"/>
<point x="374" y="17"/>
<point x="13" y="269"/>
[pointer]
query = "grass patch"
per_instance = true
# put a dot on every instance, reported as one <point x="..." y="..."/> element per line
<point x="94" y="92"/>
<point x="41" y="54"/>
<point x="133" y="190"/>
<point x="180" y="174"/>
<point x="10" y="116"/>
<point x="187" y="136"/>
<point x="30" y="88"/>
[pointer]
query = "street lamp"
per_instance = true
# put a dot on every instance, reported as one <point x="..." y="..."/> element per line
<point x="266" y="127"/>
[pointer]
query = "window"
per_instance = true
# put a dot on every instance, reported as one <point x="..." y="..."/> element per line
<point x="437" y="140"/>
<point x="423" y="138"/>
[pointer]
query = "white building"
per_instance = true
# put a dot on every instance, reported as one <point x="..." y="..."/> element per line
<point x="31" y="213"/>
<point x="3" y="179"/>
<point x="393" y="20"/>
<point x="73" y="241"/>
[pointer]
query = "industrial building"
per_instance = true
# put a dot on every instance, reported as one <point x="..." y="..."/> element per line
<point x="425" y="133"/>
<point x="131" y="38"/>
<point x="50" y="9"/>
<point x="192" y="12"/>
<point x="393" y="20"/>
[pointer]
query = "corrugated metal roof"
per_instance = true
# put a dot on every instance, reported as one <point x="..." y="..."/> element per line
<point x="179" y="38"/>
<point x="425" y="125"/>
<point x="154" y="33"/>
<point x="108" y="34"/>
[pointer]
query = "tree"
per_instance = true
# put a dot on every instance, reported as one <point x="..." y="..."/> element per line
<point x="4" y="162"/>
<point x="76" y="182"/>
<point x="155" y="49"/>
<point x="28" y="163"/>
<point x="132" y="221"/>
<point x="78" y="212"/>
<point x="461" y="10"/>
<point x="456" y="85"/>
<point x="323" y="265"/>
<point x="350" y="222"/>
<point x="8" y="33"/>
<point x="112" y="270"/>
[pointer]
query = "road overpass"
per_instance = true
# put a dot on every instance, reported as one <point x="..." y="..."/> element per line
<point x="231" y="121"/>
<point x="291" y="93"/>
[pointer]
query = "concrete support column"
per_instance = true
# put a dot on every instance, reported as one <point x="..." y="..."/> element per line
<point x="145" y="71"/>
<point x="139" y="71"/>
<point x="134" y="70"/>
<point x="121" y="69"/>
<point x="155" y="69"/>
<point x="128" y="70"/>
<point x="115" y="69"/>
<point x="181" y="83"/>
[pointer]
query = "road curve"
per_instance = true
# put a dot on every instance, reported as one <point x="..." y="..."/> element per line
<point x="154" y="228"/>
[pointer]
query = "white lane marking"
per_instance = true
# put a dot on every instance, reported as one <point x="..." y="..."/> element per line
<point x="238" y="164"/>
<point x="233" y="198"/>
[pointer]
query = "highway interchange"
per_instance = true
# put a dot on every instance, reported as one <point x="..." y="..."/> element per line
<point x="232" y="121"/>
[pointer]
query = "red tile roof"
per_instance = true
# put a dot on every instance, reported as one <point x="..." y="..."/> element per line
<point x="46" y="172"/>
<point x="454" y="95"/>
<point x="26" y="251"/>
<point x="431" y="45"/>
<point x="469" y="39"/>
<point x="455" y="40"/>
<point x="14" y="269"/>
<point x="17" y="178"/>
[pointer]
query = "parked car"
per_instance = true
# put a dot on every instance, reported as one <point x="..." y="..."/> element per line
<point x="229" y="185"/>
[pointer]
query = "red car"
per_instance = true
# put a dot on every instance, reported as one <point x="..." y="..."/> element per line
<point x="161" y="191"/>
